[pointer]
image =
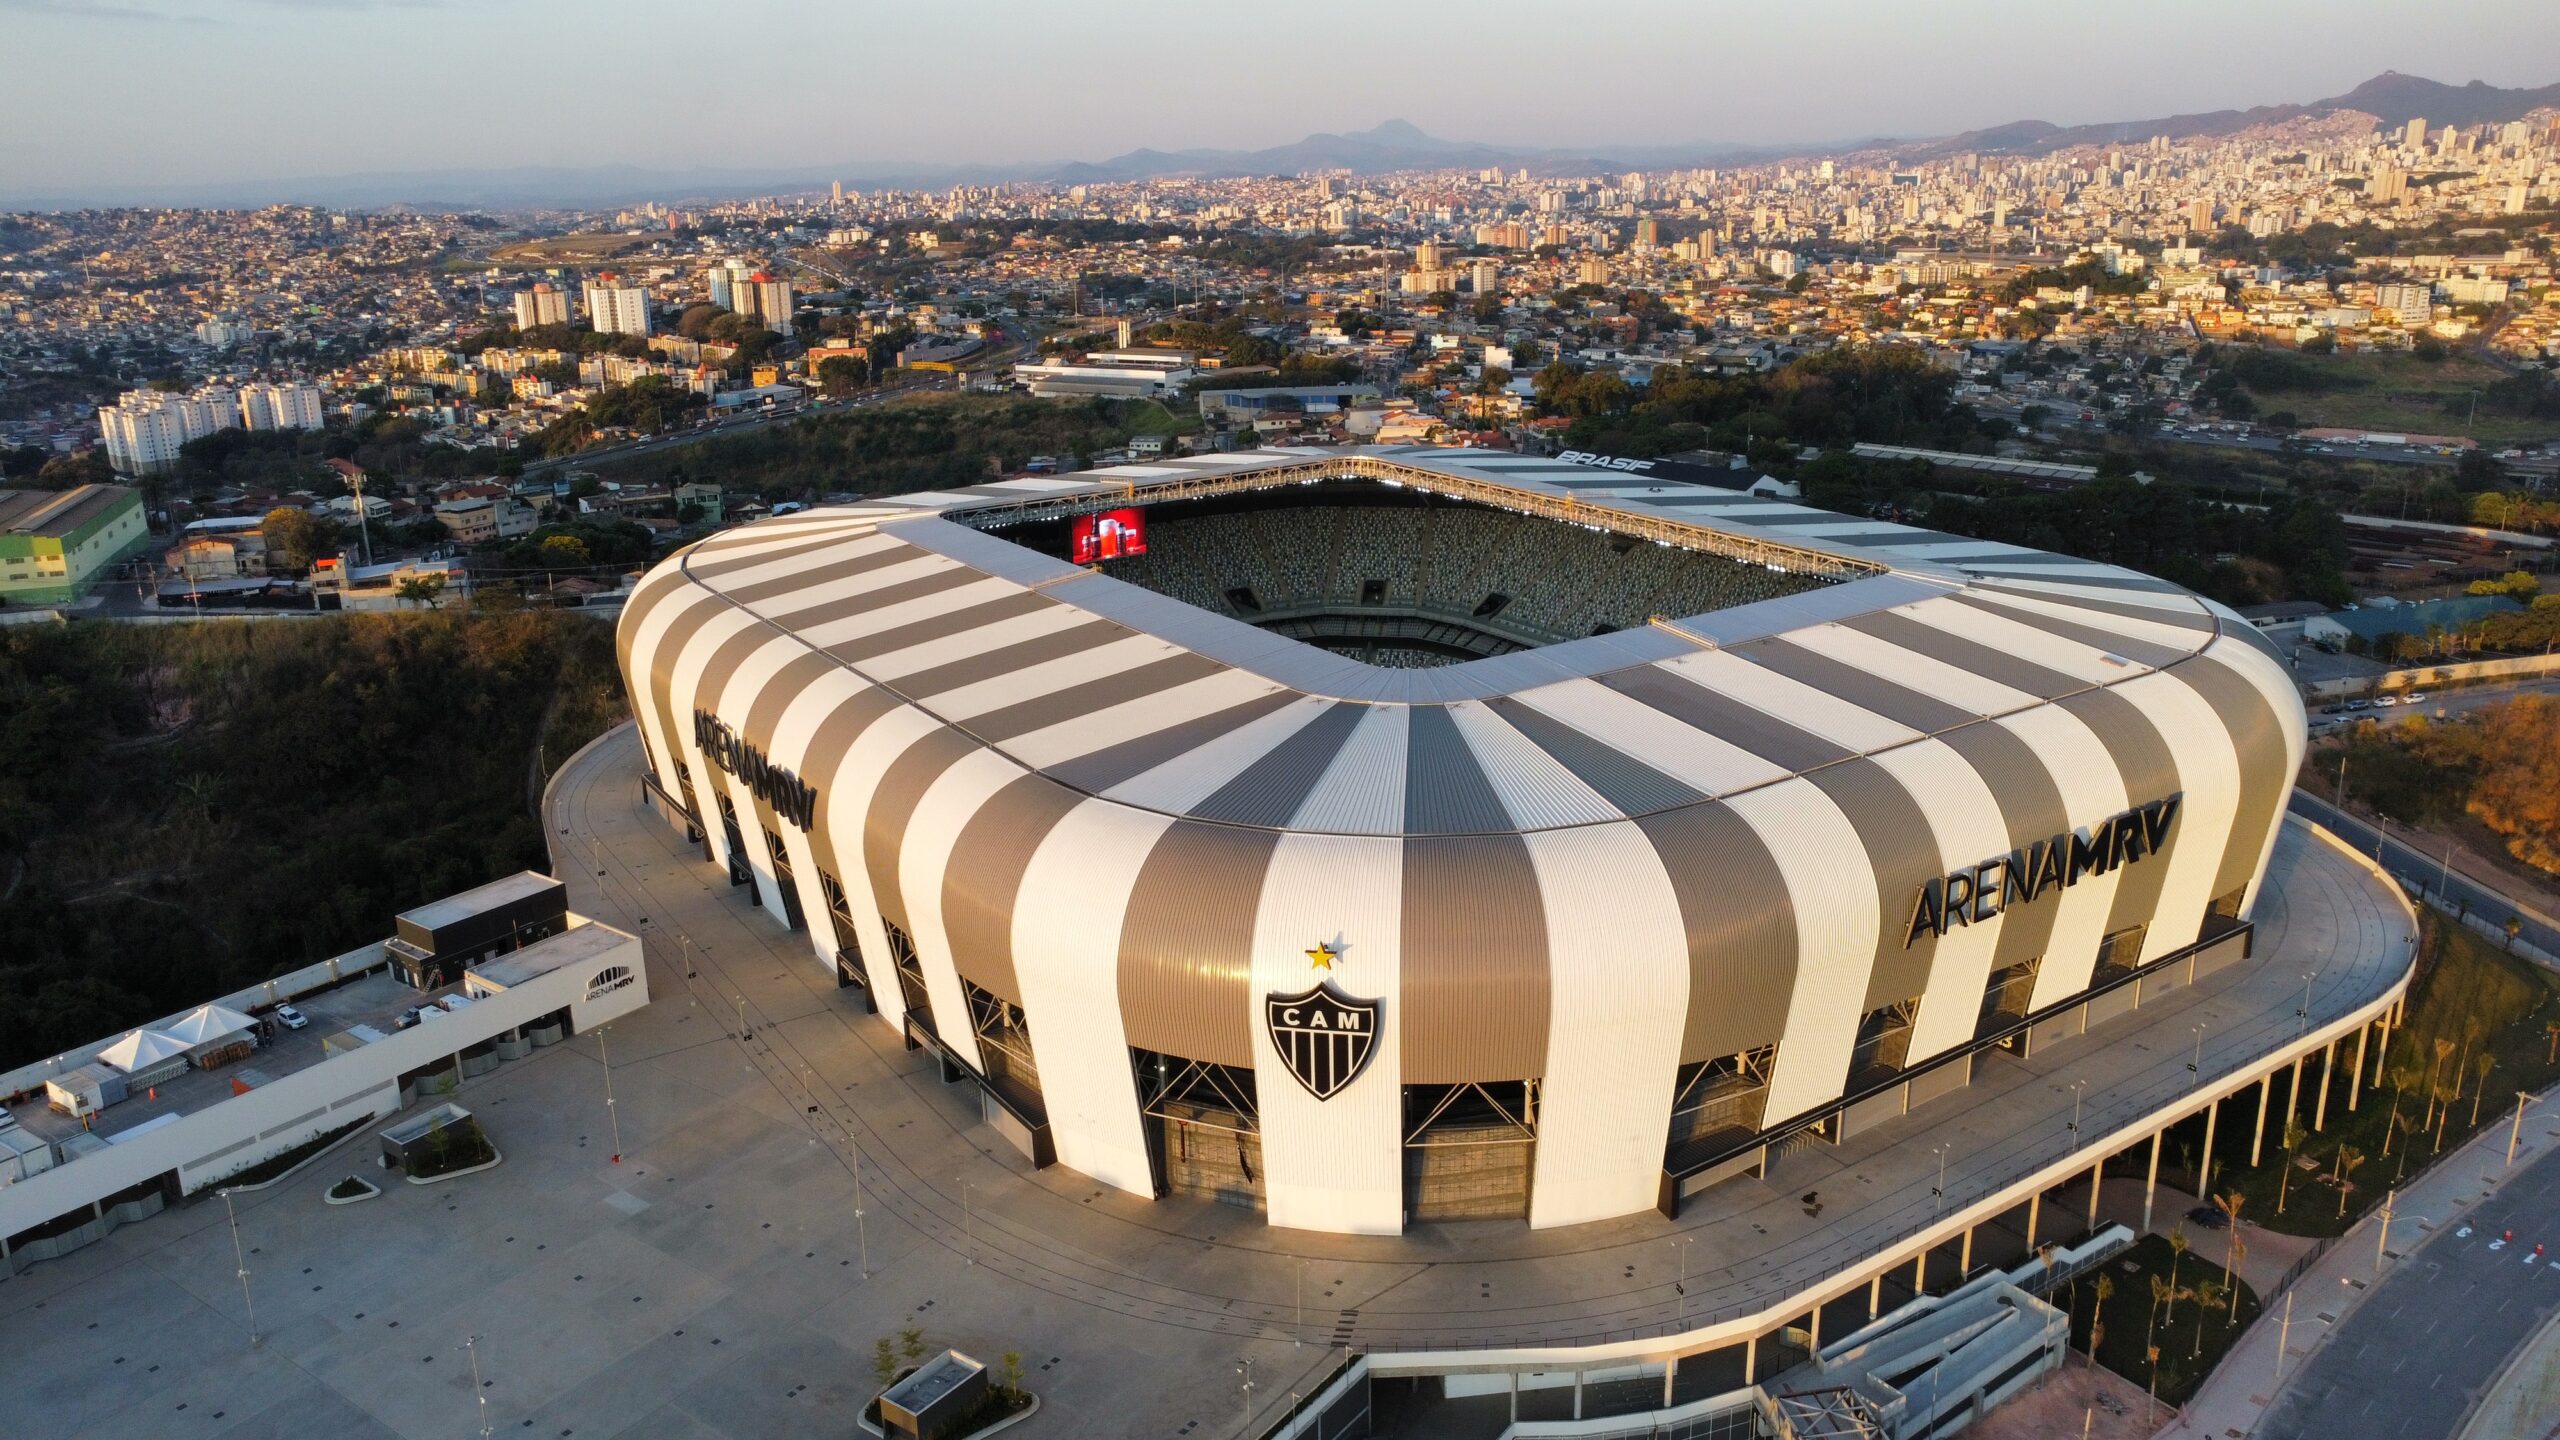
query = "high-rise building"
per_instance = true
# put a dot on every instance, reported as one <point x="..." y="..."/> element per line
<point x="2414" y="135"/>
<point x="2413" y="303"/>
<point x="2388" y="185"/>
<point x="544" y="304"/>
<point x="766" y="298"/>
<point x="1427" y="255"/>
<point x="1648" y="233"/>
<point x="1485" y="276"/>
<point x="614" y="308"/>
<point x="144" y="429"/>
<point x="839" y="194"/>
<point x="280" y="407"/>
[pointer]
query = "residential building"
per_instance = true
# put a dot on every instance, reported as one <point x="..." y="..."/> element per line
<point x="544" y="304"/>
<point x="145" y="428"/>
<point x="2413" y="303"/>
<point x="281" y="407"/>
<point x="614" y="308"/>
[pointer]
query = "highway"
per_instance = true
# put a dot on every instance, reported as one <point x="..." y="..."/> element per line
<point x="2418" y="869"/>
<point x="2420" y="1347"/>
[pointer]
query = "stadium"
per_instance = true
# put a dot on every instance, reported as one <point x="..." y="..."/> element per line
<point x="1386" y="835"/>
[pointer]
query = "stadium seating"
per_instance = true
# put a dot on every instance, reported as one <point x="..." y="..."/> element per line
<point x="1560" y="582"/>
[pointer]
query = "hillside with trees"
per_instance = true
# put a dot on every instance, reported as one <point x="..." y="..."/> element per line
<point x="187" y="809"/>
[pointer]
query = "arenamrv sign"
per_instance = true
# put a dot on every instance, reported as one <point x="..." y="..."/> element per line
<point x="791" y="797"/>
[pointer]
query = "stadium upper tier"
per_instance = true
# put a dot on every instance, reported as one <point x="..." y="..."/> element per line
<point x="1645" y="897"/>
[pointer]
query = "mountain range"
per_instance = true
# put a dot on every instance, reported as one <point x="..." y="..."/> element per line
<point x="2391" y="97"/>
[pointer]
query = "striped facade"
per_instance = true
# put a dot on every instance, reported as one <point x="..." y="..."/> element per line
<point x="1075" y="833"/>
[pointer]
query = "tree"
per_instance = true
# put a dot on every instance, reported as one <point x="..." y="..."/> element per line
<point x="2349" y="1157"/>
<point x="911" y="1344"/>
<point x="564" y="550"/>
<point x="1009" y="1377"/>
<point x="884" y="1362"/>
<point x="2294" y="1135"/>
<point x="2236" y="1247"/>
<point x="841" y="375"/>
<point x="292" y="536"/>
<point x="420" y="590"/>
<point x="2178" y="1245"/>
<point x="2105" y="1290"/>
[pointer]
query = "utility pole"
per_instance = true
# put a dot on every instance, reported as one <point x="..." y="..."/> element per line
<point x="240" y="1262"/>
<point x="2515" y="1132"/>
<point x="471" y="1343"/>
<point x="612" y="1118"/>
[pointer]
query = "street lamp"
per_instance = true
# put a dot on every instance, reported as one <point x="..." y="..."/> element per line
<point x="2195" y="1066"/>
<point x="1938" y="1192"/>
<point x="612" y="1117"/>
<point x="2078" y="1089"/>
<point x="1682" y="1290"/>
<point x="471" y="1343"/>
<point x="240" y="1263"/>
<point x="1244" y="1367"/>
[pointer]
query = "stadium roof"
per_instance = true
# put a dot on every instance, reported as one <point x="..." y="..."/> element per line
<point x="1112" y="690"/>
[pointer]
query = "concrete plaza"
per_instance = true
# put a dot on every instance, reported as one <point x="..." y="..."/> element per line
<point x="714" y="1282"/>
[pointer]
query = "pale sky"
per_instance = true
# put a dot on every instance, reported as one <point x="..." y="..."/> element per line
<point x="116" y="94"/>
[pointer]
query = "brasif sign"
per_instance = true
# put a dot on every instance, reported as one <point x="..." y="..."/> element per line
<point x="791" y="797"/>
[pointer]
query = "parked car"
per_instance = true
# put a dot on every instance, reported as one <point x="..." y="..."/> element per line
<point x="2359" y="704"/>
<point x="2381" y="701"/>
<point x="2333" y="709"/>
<point x="290" y="1018"/>
<point x="2415" y="697"/>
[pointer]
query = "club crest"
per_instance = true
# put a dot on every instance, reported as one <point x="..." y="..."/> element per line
<point x="1324" y="1036"/>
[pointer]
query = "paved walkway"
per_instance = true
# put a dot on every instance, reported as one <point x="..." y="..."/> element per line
<point x="2524" y="1401"/>
<point x="2400" y="1347"/>
<point x="1454" y="1285"/>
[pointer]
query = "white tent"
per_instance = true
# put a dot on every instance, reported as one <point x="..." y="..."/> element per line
<point x="210" y="1024"/>
<point x="143" y="1049"/>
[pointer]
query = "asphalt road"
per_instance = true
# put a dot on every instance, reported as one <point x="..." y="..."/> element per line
<point x="2417" y="868"/>
<point x="2410" y="1360"/>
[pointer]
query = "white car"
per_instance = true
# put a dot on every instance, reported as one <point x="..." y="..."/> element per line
<point x="290" y="1018"/>
<point x="2415" y="697"/>
<point x="2382" y="700"/>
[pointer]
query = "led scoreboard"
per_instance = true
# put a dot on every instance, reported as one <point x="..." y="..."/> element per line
<point x="1108" y="536"/>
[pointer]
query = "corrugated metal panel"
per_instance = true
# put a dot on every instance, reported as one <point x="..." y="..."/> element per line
<point x="1815" y="712"/>
<point x="1186" y="947"/>
<point x="1969" y="830"/>
<point x="1901" y="855"/>
<point x="992" y="696"/>
<point x="1533" y="787"/>
<point x="1105" y="768"/>
<point x="2031" y="809"/>
<point x="1137" y="716"/>
<point x="996" y="659"/>
<point x="1445" y="790"/>
<point x="1363" y="790"/>
<point x="1273" y="787"/>
<point x="1150" y="677"/>
<point x="2150" y="773"/>
<point x="1734" y="721"/>
<point x="1706" y="763"/>
<point x="2179" y="610"/>
<point x="895" y="642"/>
<point x="1617" y="1005"/>
<point x="872" y="589"/>
<point x="893" y="803"/>
<point x="925" y="848"/>
<point x="819" y="569"/>
<point x="2000" y="667"/>
<point x="1021" y="625"/>
<point x="827" y="634"/>
<point x="1927" y="659"/>
<point x="799" y="670"/>
<point x="1474" y="968"/>
<point x="1178" y="782"/>
<point x="2105" y="634"/>
<point x="708" y="567"/>
<point x="1897" y="703"/>
<point x="2266" y="768"/>
<point x="985" y="874"/>
<point x="1620" y="779"/>
<point x="2059" y="567"/>
<point x="1742" y="954"/>
<point x="2209" y="777"/>
<point x="2085" y="773"/>
<point x="1837" y="921"/>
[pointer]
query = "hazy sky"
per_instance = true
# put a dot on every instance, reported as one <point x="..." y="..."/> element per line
<point x="143" y="93"/>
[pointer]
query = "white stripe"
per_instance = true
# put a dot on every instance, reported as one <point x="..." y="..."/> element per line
<point x="1912" y="670"/>
<point x="924" y="856"/>
<point x="735" y="699"/>
<point x="1048" y="677"/>
<point x="2174" y="637"/>
<point x="1782" y="697"/>
<point x="2209" y="784"/>
<point x="2016" y="637"/>
<point x="1134" y="718"/>
<point x="643" y="680"/>
<point x="1620" y="954"/>
<point x="1966" y="820"/>
<point x="2271" y="681"/>
<point x="794" y="731"/>
<point x="1703" y="762"/>
<point x="1011" y="630"/>
<point x="2092" y="790"/>
<point x="1831" y="891"/>
<point x="855" y="779"/>
<point x="1536" y="790"/>
<point x="906" y="612"/>
<point x="1196" y="774"/>
<point x="1333" y="1164"/>
<point x="1067" y="917"/>
<point x="780" y="608"/>
<point x="1362" y="791"/>
<point x="684" y="697"/>
<point x="2145" y="599"/>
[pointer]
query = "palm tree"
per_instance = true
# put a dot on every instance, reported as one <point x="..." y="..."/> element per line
<point x="2105" y="1290"/>
<point x="2349" y="1157"/>
<point x="2484" y="1062"/>
<point x="2444" y="1052"/>
<point x="2162" y="1293"/>
<point x="2294" y="1135"/>
<point x="2178" y="1244"/>
<point x="2230" y="1205"/>
<point x="2448" y="1090"/>
<point x="2209" y="1296"/>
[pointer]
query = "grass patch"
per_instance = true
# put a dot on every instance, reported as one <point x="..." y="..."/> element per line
<point x="1150" y="417"/>
<point x="2190" y="1318"/>
<point x="2387" y="392"/>
<point x="450" y="1148"/>
<point x="2470" y="997"/>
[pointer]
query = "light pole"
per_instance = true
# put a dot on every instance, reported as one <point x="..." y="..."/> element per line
<point x="1244" y="1367"/>
<point x="2302" y="1017"/>
<point x="861" y="1232"/>
<point x="2284" y="1334"/>
<point x="2195" y="1066"/>
<point x="1302" y="1302"/>
<point x="471" y="1343"/>
<point x="688" y="955"/>
<point x="744" y="1034"/>
<point x="2078" y="1089"/>
<point x="612" y="1117"/>
<point x="1682" y="1290"/>
<point x="1938" y="1192"/>
<point x="2515" y="1132"/>
<point x="969" y="1218"/>
<point x="240" y="1263"/>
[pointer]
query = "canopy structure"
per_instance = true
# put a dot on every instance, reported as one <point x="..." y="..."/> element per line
<point x="142" y="1049"/>
<point x="210" y="1023"/>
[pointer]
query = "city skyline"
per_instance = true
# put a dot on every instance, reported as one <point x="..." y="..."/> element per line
<point x="883" y="96"/>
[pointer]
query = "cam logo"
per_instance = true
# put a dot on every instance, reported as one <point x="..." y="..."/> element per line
<point x="1324" y="1036"/>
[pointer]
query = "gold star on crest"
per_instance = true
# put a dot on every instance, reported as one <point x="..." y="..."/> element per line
<point x="1325" y="953"/>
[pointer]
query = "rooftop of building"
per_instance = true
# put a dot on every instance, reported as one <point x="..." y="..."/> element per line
<point x="58" y="512"/>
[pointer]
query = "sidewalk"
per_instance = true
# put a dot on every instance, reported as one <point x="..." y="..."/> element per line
<point x="2245" y="1384"/>
<point x="2524" y="1400"/>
